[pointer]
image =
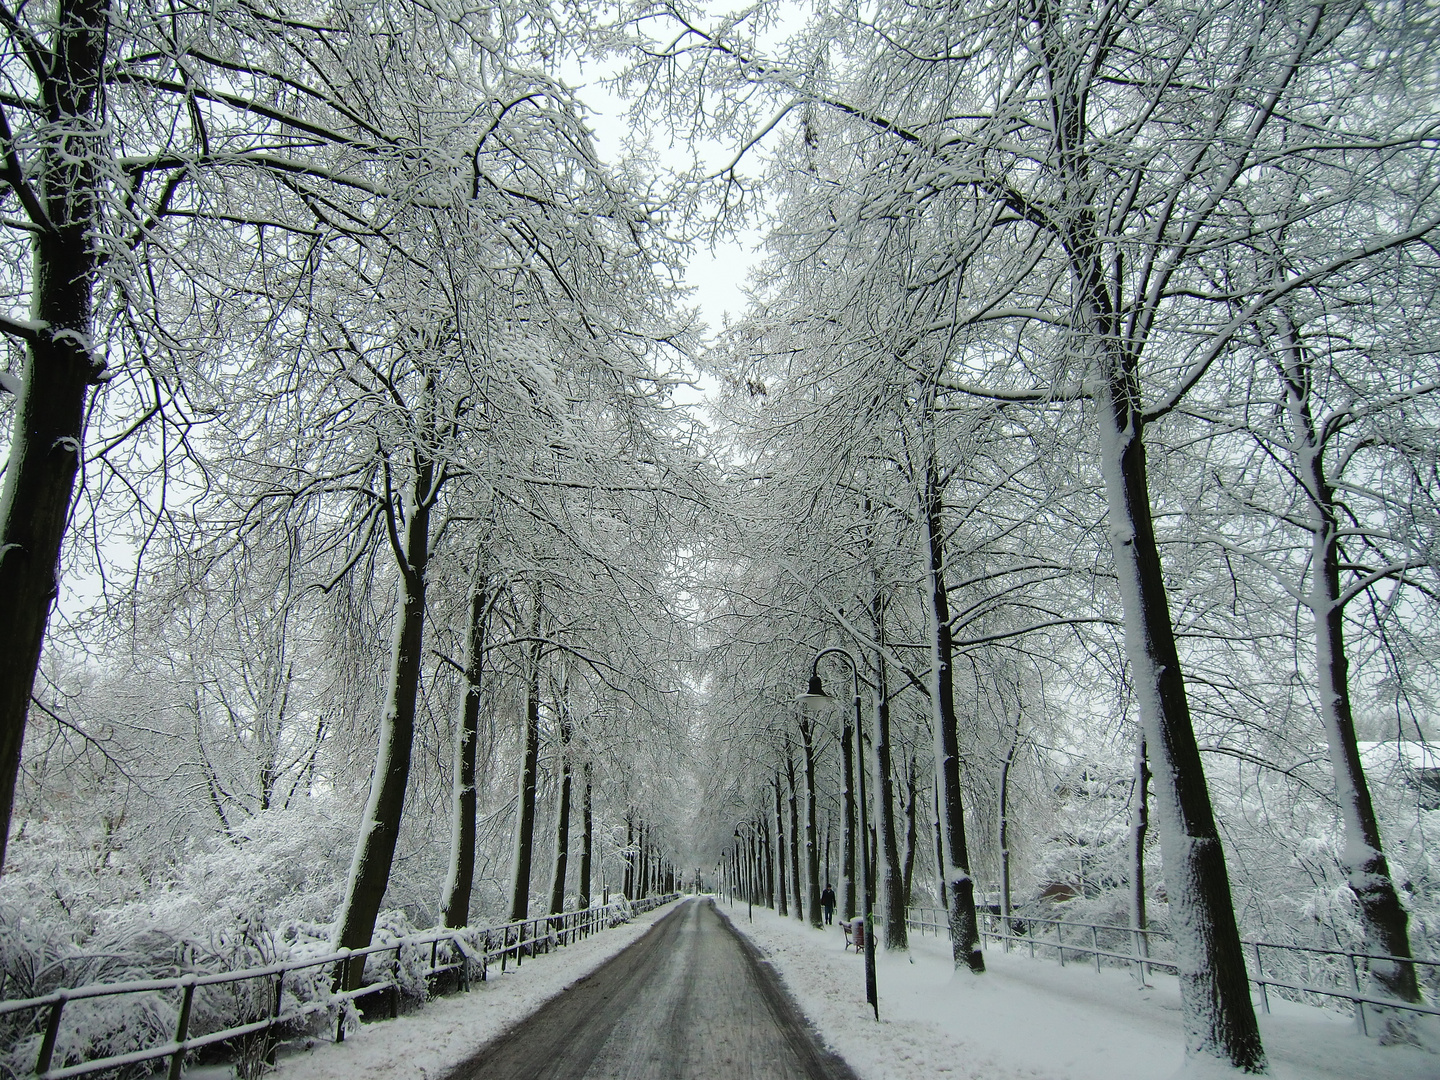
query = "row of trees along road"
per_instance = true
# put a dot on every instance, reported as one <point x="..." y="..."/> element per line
<point x="330" y="319"/>
<point x="1204" y="230"/>
<point x="339" y="300"/>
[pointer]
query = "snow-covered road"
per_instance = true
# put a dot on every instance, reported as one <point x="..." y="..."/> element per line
<point x="685" y="1002"/>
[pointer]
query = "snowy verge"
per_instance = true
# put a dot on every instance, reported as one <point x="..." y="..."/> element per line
<point x="429" y="1043"/>
<point x="1032" y="1018"/>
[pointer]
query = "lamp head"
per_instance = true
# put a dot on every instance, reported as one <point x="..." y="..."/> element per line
<point x="815" y="700"/>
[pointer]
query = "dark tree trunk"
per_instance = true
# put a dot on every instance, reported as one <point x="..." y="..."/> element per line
<point x="455" y="900"/>
<point x="911" y="800"/>
<point x="529" y="773"/>
<point x="642" y="888"/>
<point x="794" y="832"/>
<point x="60" y="368"/>
<point x="587" y="825"/>
<point x="812" y="847"/>
<point x="1138" y="830"/>
<point x="1215" y="992"/>
<point x="380" y="825"/>
<point x="783" y="907"/>
<point x="628" y="888"/>
<point x="562" y="824"/>
<point x="769" y="855"/>
<point x="1003" y="826"/>
<point x="939" y="848"/>
<point x="1382" y="916"/>
<point x="896" y="932"/>
<point x="960" y="886"/>
<point x="848" y="838"/>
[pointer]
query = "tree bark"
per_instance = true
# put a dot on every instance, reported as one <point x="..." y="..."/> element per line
<point x="459" y="880"/>
<point x="628" y="884"/>
<point x="60" y="368"/>
<point x="848" y="838"/>
<point x="896" y="932"/>
<point x="939" y="848"/>
<point x="769" y="856"/>
<point x="1139" y="829"/>
<point x="959" y="885"/>
<point x="1004" y="822"/>
<point x="794" y="831"/>
<point x="380" y="824"/>
<point x="783" y="907"/>
<point x="812" y="849"/>
<point x="1215" y="992"/>
<point x="529" y="771"/>
<point x="1382" y="917"/>
<point x="586" y="839"/>
<point x="562" y="823"/>
<point x="912" y="799"/>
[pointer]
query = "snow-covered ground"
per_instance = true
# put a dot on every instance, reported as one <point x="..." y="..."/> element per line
<point x="1034" y="1019"/>
<point x="1026" y="1018"/>
<point x="426" y="1044"/>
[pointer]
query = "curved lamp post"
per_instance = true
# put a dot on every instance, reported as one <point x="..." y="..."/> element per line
<point x="815" y="700"/>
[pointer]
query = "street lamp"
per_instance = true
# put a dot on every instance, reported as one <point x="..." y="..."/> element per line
<point x="815" y="700"/>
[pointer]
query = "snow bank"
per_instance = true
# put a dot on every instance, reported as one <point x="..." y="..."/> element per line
<point x="1034" y="1019"/>
<point x="429" y="1043"/>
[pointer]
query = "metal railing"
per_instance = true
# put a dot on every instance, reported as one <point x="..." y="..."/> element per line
<point x="466" y="952"/>
<point x="1142" y="957"/>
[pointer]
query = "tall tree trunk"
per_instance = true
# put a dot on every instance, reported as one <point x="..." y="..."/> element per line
<point x="812" y="848"/>
<point x="769" y="852"/>
<point x="848" y="837"/>
<point x="60" y="368"/>
<point x="529" y="774"/>
<point x="960" y="886"/>
<point x="912" y="798"/>
<point x="896" y="932"/>
<point x="587" y="825"/>
<point x="939" y="847"/>
<point x="783" y="906"/>
<point x="459" y="880"/>
<point x="1382" y="916"/>
<point x="1139" y="829"/>
<point x="1215" y="992"/>
<point x="562" y="822"/>
<point x="628" y="885"/>
<point x="1004" y="820"/>
<point x="642" y="888"/>
<point x="380" y="824"/>
<point x="794" y="831"/>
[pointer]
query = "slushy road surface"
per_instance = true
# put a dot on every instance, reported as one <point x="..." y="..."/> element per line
<point x="689" y="1001"/>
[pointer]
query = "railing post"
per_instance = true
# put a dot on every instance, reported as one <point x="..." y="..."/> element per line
<point x="52" y="1032"/>
<point x="1355" y="986"/>
<point x="182" y="1028"/>
<point x="1260" y="975"/>
<point x="1142" y="950"/>
<point x="1095" y="941"/>
<point x="395" y="987"/>
<point x="1060" y="941"/>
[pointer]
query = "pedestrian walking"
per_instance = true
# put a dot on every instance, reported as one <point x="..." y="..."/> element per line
<point x="827" y="904"/>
